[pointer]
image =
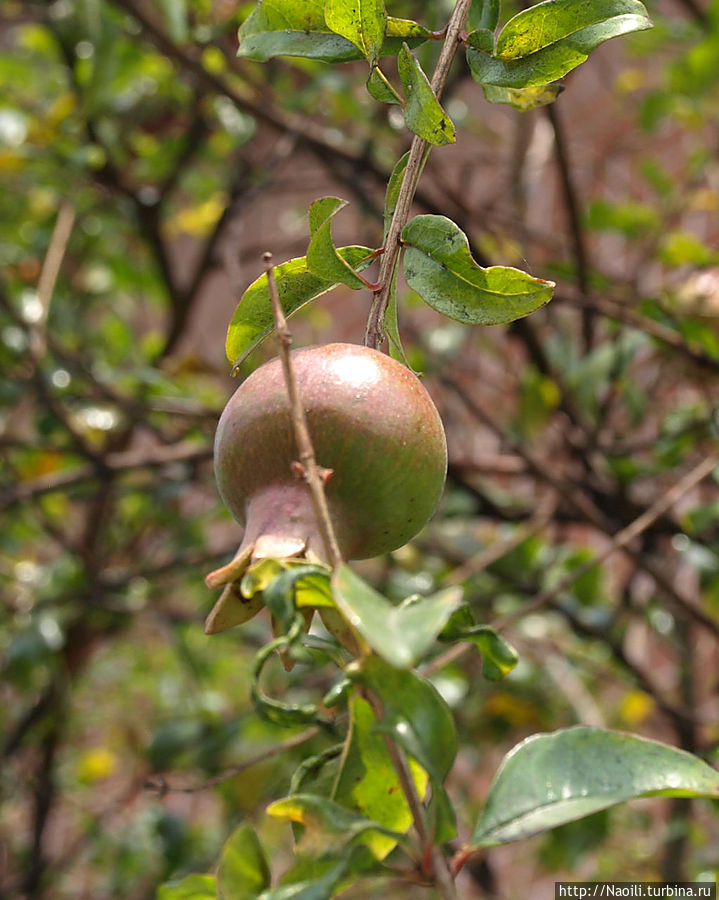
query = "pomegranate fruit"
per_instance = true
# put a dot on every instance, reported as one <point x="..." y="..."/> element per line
<point x="372" y="423"/>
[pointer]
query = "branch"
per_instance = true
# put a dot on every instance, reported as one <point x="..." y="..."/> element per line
<point x="163" y="788"/>
<point x="623" y="538"/>
<point x="375" y="334"/>
<point x="121" y="461"/>
<point x="310" y="469"/>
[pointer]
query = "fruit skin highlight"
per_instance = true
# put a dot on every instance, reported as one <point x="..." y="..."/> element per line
<point x="372" y="423"/>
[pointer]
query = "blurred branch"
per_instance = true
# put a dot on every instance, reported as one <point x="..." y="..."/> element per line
<point x="48" y="275"/>
<point x="160" y="785"/>
<point x="121" y="461"/>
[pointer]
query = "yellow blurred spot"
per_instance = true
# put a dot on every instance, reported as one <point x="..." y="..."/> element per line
<point x="198" y="220"/>
<point x="96" y="764"/>
<point x="213" y="60"/>
<point x="11" y="161"/>
<point x="512" y="709"/>
<point x="630" y="80"/>
<point x="634" y="707"/>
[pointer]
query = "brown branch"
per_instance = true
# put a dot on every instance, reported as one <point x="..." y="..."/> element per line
<point x="48" y="275"/>
<point x="163" y="788"/>
<point x="121" y="461"/>
<point x="375" y="333"/>
<point x="306" y="451"/>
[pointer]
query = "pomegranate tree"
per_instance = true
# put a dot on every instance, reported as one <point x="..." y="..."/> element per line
<point x="374" y="428"/>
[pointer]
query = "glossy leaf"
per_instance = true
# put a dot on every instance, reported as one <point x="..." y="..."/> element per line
<point x="483" y="14"/>
<point x="323" y="258"/>
<point x="414" y="714"/>
<point x="550" y="779"/>
<point x="367" y="781"/>
<point x="498" y="656"/>
<point x="243" y="871"/>
<point x="327" y="825"/>
<point x="438" y="265"/>
<point x="523" y="99"/>
<point x="363" y="22"/>
<point x="252" y="321"/>
<point x="193" y="887"/>
<point x="288" y="28"/>
<point x="401" y="635"/>
<point x="543" y="43"/>
<point x="423" y="114"/>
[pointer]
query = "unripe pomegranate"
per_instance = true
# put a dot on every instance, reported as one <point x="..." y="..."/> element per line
<point x="371" y="422"/>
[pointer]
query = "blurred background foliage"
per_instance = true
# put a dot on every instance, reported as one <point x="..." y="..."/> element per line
<point x="144" y="170"/>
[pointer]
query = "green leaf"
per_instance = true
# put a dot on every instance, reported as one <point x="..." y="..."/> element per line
<point x="243" y="870"/>
<point x="363" y="22"/>
<point x="280" y="594"/>
<point x="523" y="99"/>
<point x="381" y="89"/>
<point x="481" y="39"/>
<point x="546" y="23"/>
<point x="323" y="259"/>
<point x="550" y="779"/>
<point x="422" y="113"/>
<point x="252" y="321"/>
<point x="368" y="783"/>
<point x="544" y="42"/>
<point x="327" y="878"/>
<point x="393" y="188"/>
<point x="498" y="657"/>
<point x="327" y="825"/>
<point x="483" y="14"/>
<point x="288" y="28"/>
<point x="414" y="714"/>
<point x="438" y="265"/>
<point x="401" y="635"/>
<point x="193" y="887"/>
<point x="391" y="325"/>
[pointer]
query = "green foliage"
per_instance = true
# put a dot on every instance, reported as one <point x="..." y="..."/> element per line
<point x="551" y="779"/>
<point x="156" y="138"/>
<point x="438" y="265"/>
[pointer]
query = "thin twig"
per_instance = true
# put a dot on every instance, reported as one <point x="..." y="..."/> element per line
<point x="623" y="538"/>
<point x="375" y="333"/>
<point x="48" y="275"/>
<point x="162" y="787"/>
<point x="310" y="469"/>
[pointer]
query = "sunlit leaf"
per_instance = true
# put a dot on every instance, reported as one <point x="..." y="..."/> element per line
<point x="363" y="22"/>
<point x="545" y="41"/>
<point x="243" y="871"/>
<point x="423" y="114"/>
<point x="252" y="321"/>
<point x="328" y="826"/>
<point x="438" y="265"/>
<point x="287" y="28"/>
<point x="550" y="779"/>
<point x="368" y="782"/>
<point x="402" y="635"/>
<point x="413" y="713"/>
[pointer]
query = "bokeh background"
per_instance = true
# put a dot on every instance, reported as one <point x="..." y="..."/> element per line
<point x="144" y="171"/>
